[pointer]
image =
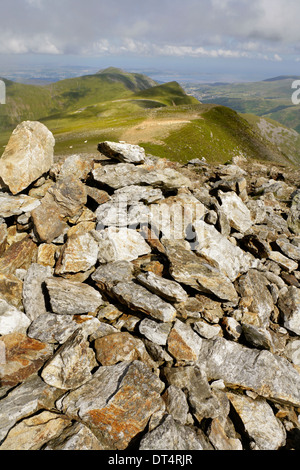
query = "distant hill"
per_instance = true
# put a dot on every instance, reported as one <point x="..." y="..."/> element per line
<point x="116" y="105"/>
<point x="271" y="98"/>
<point x="282" y="77"/>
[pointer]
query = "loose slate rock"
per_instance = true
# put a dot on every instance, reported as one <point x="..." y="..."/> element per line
<point x="123" y="152"/>
<point x="53" y="328"/>
<point x="259" y="421"/>
<point x="120" y="244"/>
<point x="33" y="294"/>
<point x="183" y="343"/>
<point x="189" y="269"/>
<point x="110" y="274"/>
<point x="16" y="205"/>
<point x="120" y="347"/>
<point x="72" y="298"/>
<point x="79" y="254"/>
<point x="27" y="156"/>
<point x="71" y="365"/>
<point x="34" y="432"/>
<point x="23" y="357"/>
<point x="12" y="320"/>
<point x="26" y="399"/>
<point x="171" y="435"/>
<point x="169" y="290"/>
<point x="236" y="211"/>
<point x="268" y="375"/>
<point x="230" y="259"/>
<point x="116" y="403"/>
<point x="289" y="304"/>
<point x="140" y="299"/>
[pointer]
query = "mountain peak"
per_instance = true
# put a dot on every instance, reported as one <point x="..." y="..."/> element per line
<point x="111" y="70"/>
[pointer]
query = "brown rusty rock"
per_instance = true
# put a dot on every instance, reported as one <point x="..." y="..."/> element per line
<point x="19" y="255"/>
<point x="116" y="403"/>
<point x="22" y="357"/>
<point x="118" y="347"/>
<point x="48" y="222"/>
<point x="11" y="289"/>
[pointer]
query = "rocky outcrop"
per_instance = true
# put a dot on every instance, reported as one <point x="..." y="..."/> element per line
<point x="147" y="305"/>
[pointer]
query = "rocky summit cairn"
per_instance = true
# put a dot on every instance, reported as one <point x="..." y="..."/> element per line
<point x="145" y="304"/>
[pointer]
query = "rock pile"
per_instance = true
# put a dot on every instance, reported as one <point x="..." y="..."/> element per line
<point x="146" y="305"/>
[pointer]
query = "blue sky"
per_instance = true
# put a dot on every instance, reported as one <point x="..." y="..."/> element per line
<point x="258" y="38"/>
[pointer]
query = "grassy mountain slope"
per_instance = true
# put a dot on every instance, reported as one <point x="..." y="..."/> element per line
<point x="269" y="98"/>
<point x="115" y="105"/>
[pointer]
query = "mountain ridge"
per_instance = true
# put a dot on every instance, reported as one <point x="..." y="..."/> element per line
<point x="117" y="105"/>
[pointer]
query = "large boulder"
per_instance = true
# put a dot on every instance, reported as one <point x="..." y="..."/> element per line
<point x="27" y="156"/>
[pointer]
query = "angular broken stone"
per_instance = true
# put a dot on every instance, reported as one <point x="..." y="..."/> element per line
<point x="284" y="262"/>
<point x="32" y="433"/>
<point x="189" y="269"/>
<point x="294" y="213"/>
<point x="16" y="205"/>
<point x="134" y="193"/>
<point x="46" y="254"/>
<point x="3" y="238"/>
<point x="288" y="249"/>
<point x="27" y="398"/>
<point x="117" y="403"/>
<point x="125" y="174"/>
<point x="168" y="289"/>
<point x="27" y="156"/>
<point x="268" y="375"/>
<point x="19" y="255"/>
<point x="174" y="216"/>
<point x="119" y="175"/>
<point x="140" y="299"/>
<point x="259" y="421"/>
<point x="220" y="439"/>
<point x="120" y="347"/>
<point x="71" y="365"/>
<point x="289" y="304"/>
<point x="79" y="254"/>
<point x="70" y="195"/>
<point x="207" y="331"/>
<point x="33" y="294"/>
<point x="194" y="382"/>
<point x="154" y="331"/>
<point x="72" y="298"/>
<point x="171" y="435"/>
<point x="12" y="320"/>
<point x="53" y="328"/>
<point x="176" y="403"/>
<point x="11" y="290"/>
<point x="120" y="244"/>
<point x="47" y="220"/>
<point x="123" y="152"/>
<point x="110" y="274"/>
<point x="183" y="343"/>
<point x="236" y="211"/>
<point x="77" y="166"/>
<point x="21" y="358"/>
<point x="256" y="295"/>
<point x="76" y="437"/>
<point x="230" y="259"/>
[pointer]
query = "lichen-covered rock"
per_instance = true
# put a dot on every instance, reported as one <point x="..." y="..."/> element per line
<point x="21" y="357"/>
<point x="116" y="403"/>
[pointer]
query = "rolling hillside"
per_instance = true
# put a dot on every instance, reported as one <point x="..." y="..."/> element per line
<point x="167" y="122"/>
<point x="269" y="98"/>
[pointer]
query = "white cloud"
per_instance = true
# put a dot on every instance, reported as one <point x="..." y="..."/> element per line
<point x="195" y="28"/>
